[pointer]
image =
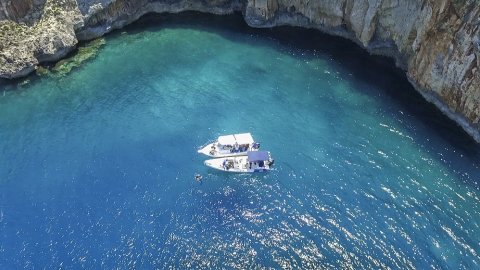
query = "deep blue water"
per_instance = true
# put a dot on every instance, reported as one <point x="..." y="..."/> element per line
<point x="96" y="167"/>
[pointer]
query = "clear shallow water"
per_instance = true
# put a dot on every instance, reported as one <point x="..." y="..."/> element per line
<point x="96" y="168"/>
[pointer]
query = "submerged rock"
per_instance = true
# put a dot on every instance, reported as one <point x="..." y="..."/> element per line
<point x="437" y="43"/>
<point x="42" y="71"/>
<point x="84" y="53"/>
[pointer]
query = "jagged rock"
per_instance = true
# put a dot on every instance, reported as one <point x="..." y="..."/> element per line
<point x="52" y="36"/>
<point x="437" y="43"/>
<point x="85" y="52"/>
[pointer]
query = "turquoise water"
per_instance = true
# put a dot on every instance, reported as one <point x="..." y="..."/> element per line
<point x="96" y="167"/>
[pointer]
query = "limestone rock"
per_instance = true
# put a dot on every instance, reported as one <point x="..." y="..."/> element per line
<point x="27" y="39"/>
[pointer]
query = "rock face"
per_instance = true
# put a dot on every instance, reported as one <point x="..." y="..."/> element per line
<point x="34" y="31"/>
<point x="437" y="43"/>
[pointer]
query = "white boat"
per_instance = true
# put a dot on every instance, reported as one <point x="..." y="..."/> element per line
<point x="230" y="145"/>
<point x="253" y="161"/>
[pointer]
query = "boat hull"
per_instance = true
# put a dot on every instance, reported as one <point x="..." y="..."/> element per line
<point x="207" y="150"/>
<point x="239" y="164"/>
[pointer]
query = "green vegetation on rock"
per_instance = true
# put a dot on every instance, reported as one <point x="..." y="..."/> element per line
<point x="84" y="53"/>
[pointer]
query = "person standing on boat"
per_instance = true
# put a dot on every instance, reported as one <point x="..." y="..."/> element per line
<point x="236" y="147"/>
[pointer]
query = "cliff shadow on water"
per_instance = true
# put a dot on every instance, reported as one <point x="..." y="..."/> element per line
<point x="387" y="80"/>
<point x="378" y="71"/>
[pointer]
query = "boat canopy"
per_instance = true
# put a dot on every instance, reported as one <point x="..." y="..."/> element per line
<point x="243" y="138"/>
<point x="258" y="156"/>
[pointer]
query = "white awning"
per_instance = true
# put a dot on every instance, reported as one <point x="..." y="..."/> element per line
<point x="226" y="140"/>
<point x="243" y="138"/>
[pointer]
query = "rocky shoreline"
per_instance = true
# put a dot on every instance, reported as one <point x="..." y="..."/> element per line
<point x="436" y="43"/>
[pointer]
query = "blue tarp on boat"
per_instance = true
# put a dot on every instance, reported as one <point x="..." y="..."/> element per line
<point x="257" y="155"/>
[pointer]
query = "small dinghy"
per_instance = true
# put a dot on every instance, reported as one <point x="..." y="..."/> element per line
<point x="230" y="145"/>
<point x="253" y="161"/>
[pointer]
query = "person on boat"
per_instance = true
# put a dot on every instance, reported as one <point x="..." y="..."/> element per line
<point x="212" y="150"/>
<point x="243" y="147"/>
<point x="236" y="147"/>
<point x="229" y="164"/>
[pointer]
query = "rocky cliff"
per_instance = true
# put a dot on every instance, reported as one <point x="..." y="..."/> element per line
<point x="436" y="42"/>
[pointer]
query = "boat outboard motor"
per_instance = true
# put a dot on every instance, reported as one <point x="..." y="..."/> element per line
<point x="270" y="162"/>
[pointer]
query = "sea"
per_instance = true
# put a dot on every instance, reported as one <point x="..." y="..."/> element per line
<point x="97" y="164"/>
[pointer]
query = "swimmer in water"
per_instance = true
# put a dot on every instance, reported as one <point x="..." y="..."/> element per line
<point x="198" y="177"/>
